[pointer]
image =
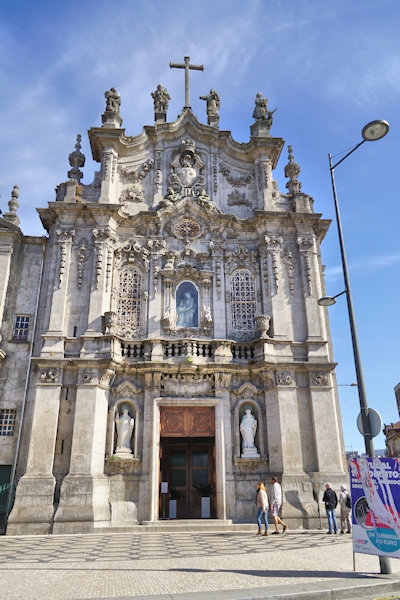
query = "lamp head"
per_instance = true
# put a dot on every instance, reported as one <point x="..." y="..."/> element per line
<point x="375" y="130"/>
<point x="327" y="301"/>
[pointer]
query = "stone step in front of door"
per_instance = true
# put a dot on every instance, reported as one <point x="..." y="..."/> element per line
<point x="191" y="525"/>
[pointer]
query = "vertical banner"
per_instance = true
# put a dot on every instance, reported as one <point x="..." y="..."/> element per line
<point x="375" y="494"/>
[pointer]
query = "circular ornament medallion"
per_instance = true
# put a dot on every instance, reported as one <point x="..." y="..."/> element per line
<point x="187" y="228"/>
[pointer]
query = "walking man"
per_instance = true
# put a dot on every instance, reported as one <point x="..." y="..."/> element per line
<point x="276" y="505"/>
<point x="331" y="501"/>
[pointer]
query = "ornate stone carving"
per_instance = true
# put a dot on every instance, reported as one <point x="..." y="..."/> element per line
<point x="187" y="384"/>
<point x="105" y="379"/>
<point x="292" y="171"/>
<point x="285" y="378"/>
<point x="186" y="168"/>
<point x="87" y="376"/>
<point x="263" y="325"/>
<point x="76" y="160"/>
<point x="65" y="238"/>
<point x="187" y="227"/>
<point x="268" y="377"/>
<point x="305" y="245"/>
<point x="82" y="254"/>
<point x="241" y="181"/>
<point x="49" y="375"/>
<point x="288" y="258"/>
<point x="236" y="198"/>
<point x="320" y="379"/>
<point x="273" y="245"/>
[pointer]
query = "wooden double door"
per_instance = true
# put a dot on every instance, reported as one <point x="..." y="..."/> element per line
<point x="187" y="463"/>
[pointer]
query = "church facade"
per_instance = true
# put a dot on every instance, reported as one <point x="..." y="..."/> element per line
<point x="169" y="346"/>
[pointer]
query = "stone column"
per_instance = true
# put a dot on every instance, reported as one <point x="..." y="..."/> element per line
<point x="84" y="496"/>
<point x="34" y="501"/>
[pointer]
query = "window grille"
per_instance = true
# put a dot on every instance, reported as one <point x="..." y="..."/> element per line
<point x="7" y="420"/>
<point x="129" y="298"/>
<point x="21" y="328"/>
<point x="243" y="300"/>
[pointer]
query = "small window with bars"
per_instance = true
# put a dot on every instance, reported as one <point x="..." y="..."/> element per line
<point x="21" y="328"/>
<point x="7" y="420"/>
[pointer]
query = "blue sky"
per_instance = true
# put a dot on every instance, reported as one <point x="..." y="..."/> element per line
<point x="328" y="67"/>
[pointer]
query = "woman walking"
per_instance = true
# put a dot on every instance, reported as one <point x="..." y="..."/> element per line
<point x="262" y="508"/>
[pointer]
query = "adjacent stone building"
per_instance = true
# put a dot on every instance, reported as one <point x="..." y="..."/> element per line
<point x="165" y="340"/>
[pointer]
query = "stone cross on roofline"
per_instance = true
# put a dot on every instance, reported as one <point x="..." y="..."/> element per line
<point x="187" y="66"/>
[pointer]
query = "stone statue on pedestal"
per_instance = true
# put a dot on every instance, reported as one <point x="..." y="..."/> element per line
<point x="248" y="428"/>
<point x="124" y="424"/>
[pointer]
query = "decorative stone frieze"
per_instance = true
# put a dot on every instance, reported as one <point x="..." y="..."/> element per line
<point x="49" y="375"/>
<point x="88" y="376"/>
<point x="305" y="245"/>
<point x="273" y="246"/>
<point x="82" y="254"/>
<point x="285" y="378"/>
<point x="65" y="237"/>
<point x="240" y="181"/>
<point x="267" y="377"/>
<point x="320" y="379"/>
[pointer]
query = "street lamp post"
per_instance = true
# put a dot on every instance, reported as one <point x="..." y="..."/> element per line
<point x="371" y="132"/>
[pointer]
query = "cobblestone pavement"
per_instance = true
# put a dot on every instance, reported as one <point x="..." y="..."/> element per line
<point x="166" y="565"/>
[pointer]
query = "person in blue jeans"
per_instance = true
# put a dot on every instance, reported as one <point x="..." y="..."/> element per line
<point x="331" y="501"/>
<point x="262" y="508"/>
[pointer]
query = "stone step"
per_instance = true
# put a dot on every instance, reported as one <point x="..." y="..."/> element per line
<point x="187" y="525"/>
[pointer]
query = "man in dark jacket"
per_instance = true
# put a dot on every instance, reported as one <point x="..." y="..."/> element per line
<point x="331" y="501"/>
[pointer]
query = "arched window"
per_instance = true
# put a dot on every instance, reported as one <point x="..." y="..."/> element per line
<point x="129" y="297"/>
<point x="243" y="300"/>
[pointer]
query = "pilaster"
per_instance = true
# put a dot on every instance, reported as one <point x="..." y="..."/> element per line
<point x="34" y="501"/>
<point x="84" y="495"/>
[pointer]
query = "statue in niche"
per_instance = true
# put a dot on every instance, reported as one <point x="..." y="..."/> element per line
<point x="186" y="306"/>
<point x="161" y="99"/>
<point x="124" y="424"/>
<point x="248" y="428"/>
<point x="113" y="101"/>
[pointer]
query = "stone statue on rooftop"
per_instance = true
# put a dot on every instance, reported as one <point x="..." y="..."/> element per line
<point x="161" y="99"/>
<point x="213" y="104"/>
<point x="113" y="101"/>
